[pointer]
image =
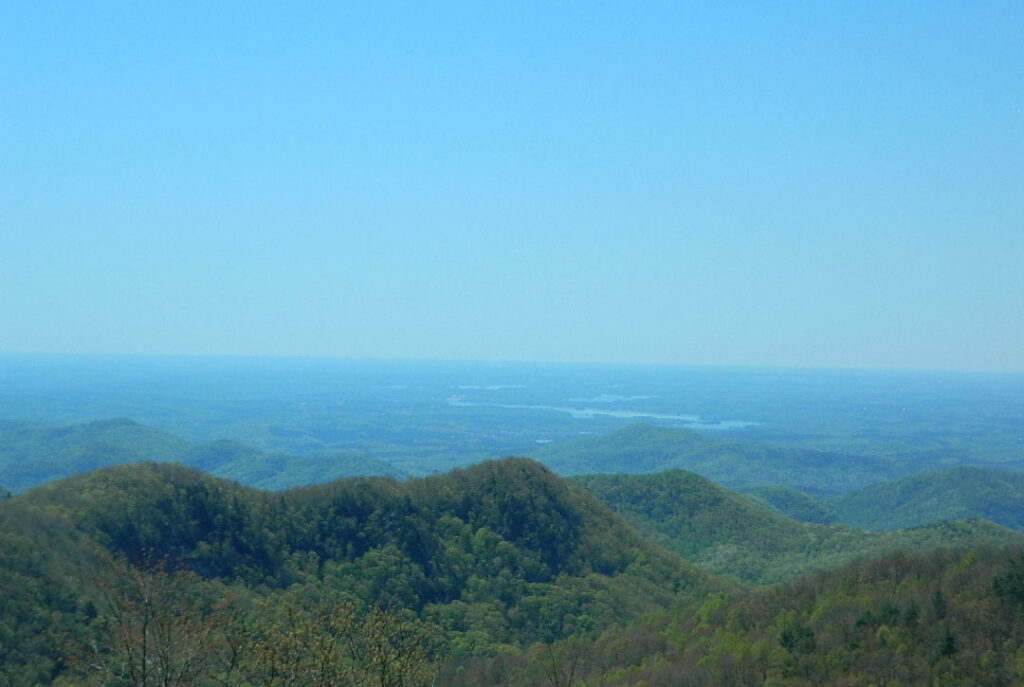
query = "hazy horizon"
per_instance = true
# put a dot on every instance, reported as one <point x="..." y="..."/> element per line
<point x="820" y="187"/>
<point x="255" y="357"/>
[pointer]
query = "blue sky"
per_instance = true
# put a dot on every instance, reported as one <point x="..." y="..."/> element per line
<point x="798" y="184"/>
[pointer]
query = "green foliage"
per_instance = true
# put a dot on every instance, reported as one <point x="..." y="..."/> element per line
<point x="309" y="638"/>
<point x="797" y="639"/>
<point x="857" y="625"/>
<point x="926" y="497"/>
<point x="501" y="554"/>
<point x="791" y="503"/>
<point x="501" y="573"/>
<point x="726" y="533"/>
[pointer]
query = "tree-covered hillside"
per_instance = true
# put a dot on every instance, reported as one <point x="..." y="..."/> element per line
<point x="964" y="492"/>
<point x="941" y="618"/>
<point x="501" y="573"/>
<point x="726" y="533"/>
<point x="791" y="503"/>
<point x="33" y="454"/>
<point x="642" y="448"/>
<point x="497" y="555"/>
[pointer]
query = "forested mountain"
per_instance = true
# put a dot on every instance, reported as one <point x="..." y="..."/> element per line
<point x="964" y="492"/>
<point x="497" y="555"/>
<point x="32" y="454"/>
<point x="501" y="573"/>
<point x="792" y="503"/>
<point x="724" y="532"/>
<point x="643" y="448"/>
<point x="938" y="618"/>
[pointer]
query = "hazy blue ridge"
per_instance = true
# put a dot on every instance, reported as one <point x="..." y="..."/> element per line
<point x="32" y="454"/>
<point x="925" y="497"/>
<point x="644" y="448"/>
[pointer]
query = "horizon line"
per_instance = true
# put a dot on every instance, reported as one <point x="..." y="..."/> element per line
<point x="499" y="361"/>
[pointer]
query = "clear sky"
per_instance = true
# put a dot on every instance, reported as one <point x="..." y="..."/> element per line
<point x="800" y="183"/>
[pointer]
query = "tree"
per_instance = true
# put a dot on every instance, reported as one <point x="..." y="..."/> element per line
<point x="151" y="629"/>
<point x="326" y="643"/>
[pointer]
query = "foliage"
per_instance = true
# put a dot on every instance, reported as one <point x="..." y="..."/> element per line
<point x="728" y="534"/>
<point x="870" y="622"/>
<point x="502" y="573"/>
<point x="501" y="554"/>
<point x="791" y="503"/>
<point x="926" y="497"/>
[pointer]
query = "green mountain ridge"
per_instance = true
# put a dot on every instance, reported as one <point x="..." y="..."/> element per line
<point x="791" y="503"/>
<point x="497" y="555"/>
<point x="930" y="496"/>
<point x="936" y="618"/>
<point x="728" y="534"/>
<point x="508" y="574"/>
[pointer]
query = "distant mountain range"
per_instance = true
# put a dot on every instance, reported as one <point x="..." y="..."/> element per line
<point x="33" y="454"/>
<point x="805" y="485"/>
<point x="643" y="448"/>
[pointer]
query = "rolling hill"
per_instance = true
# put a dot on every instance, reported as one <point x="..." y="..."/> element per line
<point x="494" y="556"/>
<point x="925" y="497"/>
<point x="642" y="448"/>
<point x="791" y="503"/>
<point x="726" y="533"/>
<point x="33" y="454"/>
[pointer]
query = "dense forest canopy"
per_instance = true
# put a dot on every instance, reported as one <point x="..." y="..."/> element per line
<point x="498" y="555"/>
<point x="729" y="534"/>
<point x="496" y="560"/>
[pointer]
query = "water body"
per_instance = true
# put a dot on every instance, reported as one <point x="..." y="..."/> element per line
<point x="688" y="421"/>
<point x="610" y="398"/>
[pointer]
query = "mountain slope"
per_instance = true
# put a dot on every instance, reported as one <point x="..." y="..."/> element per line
<point x="501" y="554"/>
<point x="32" y="454"/>
<point x="965" y="492"/>
<point x="728" y="534"/>
<point x="937" y="618"/>
<point x="791" y="503"/>
<point x="643" y="448"/>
